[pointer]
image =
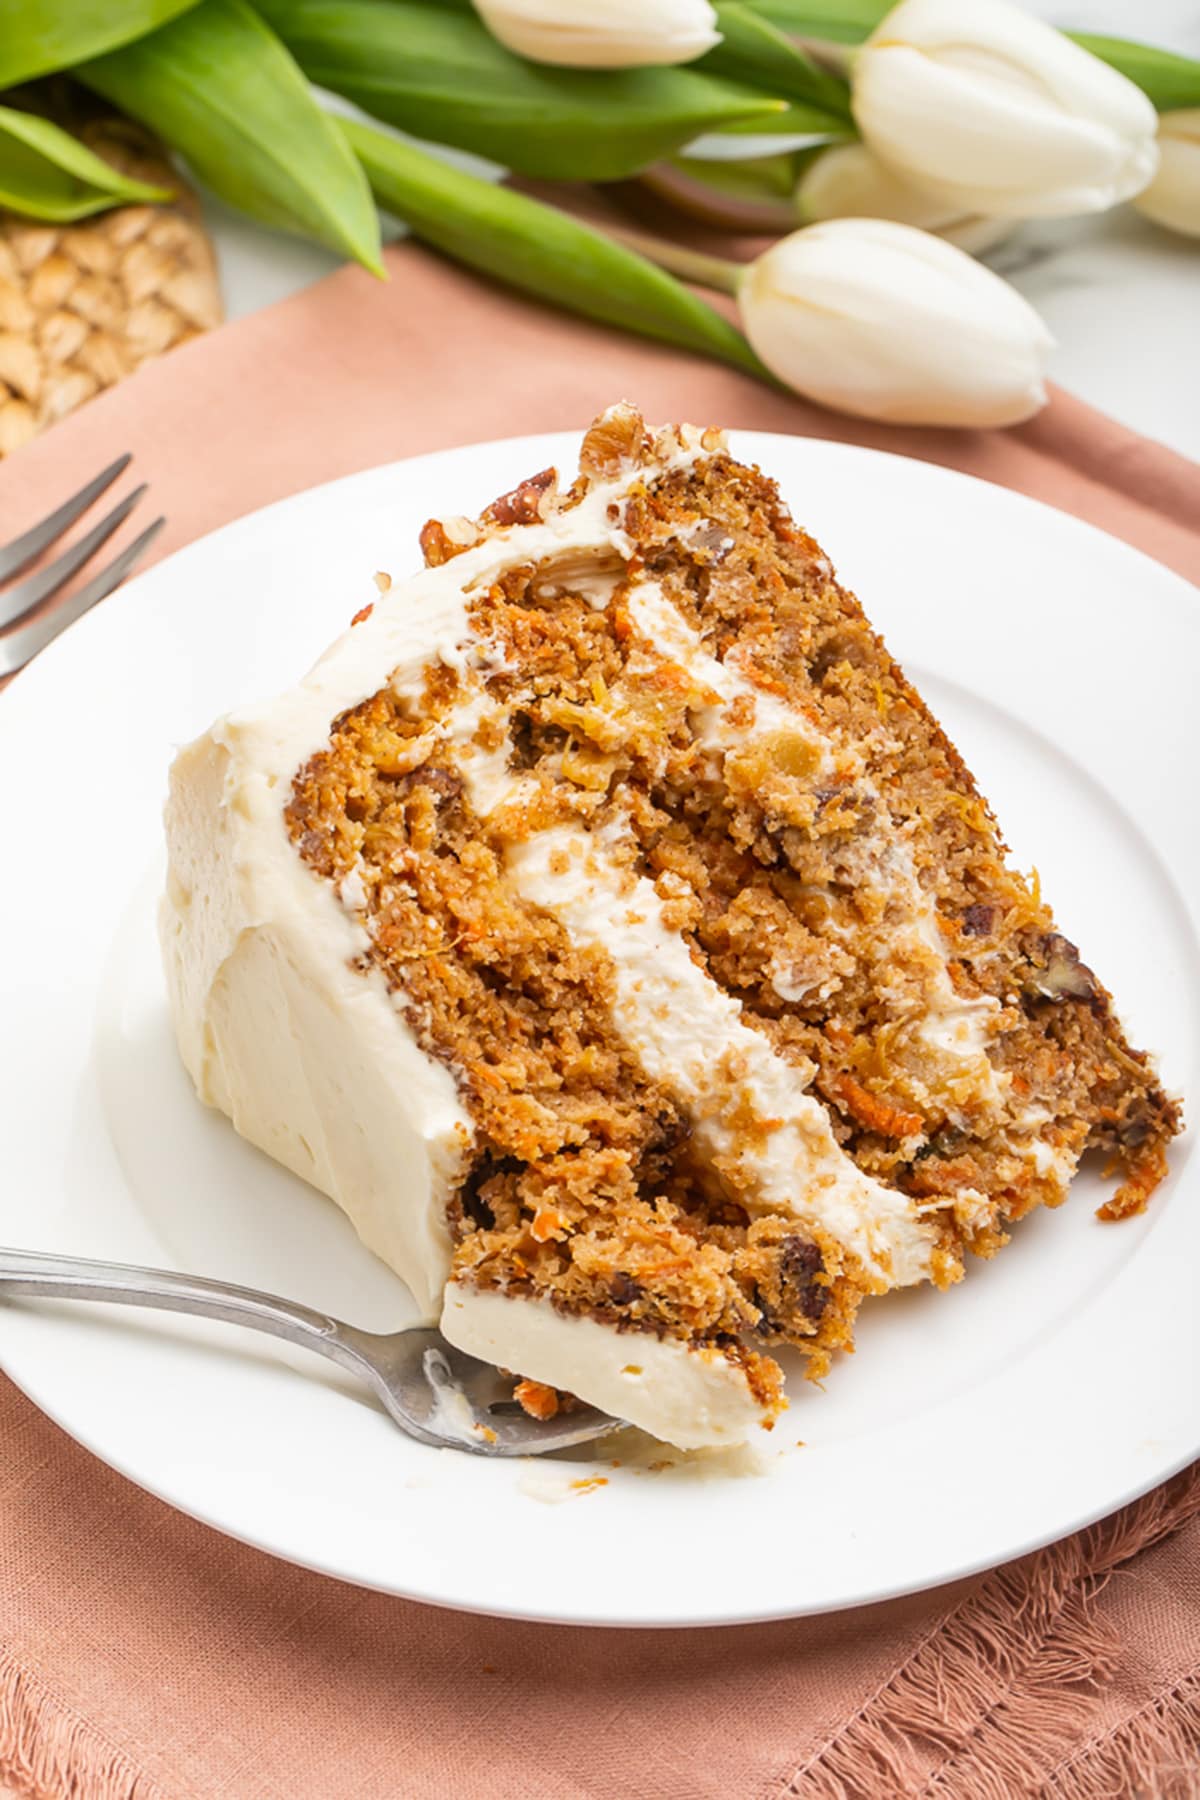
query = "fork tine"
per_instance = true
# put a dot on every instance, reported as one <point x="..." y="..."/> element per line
<point x="31" y="543"/>
<point x="35" y="588"/>
<point x="19" y="647"/>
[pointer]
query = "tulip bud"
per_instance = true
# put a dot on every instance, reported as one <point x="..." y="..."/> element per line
<point x="881" y="320"/>
<point x="606" y="34"/>
<point x="1000" y="114"/>
<point x="1173" y="197"/>
<point x="850" y="182"/>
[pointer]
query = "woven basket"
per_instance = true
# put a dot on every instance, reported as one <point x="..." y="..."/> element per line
<point x="82" y="305"/>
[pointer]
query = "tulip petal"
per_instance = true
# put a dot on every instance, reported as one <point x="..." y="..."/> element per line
<point x="1000" y="113"/>
<point x="1173" y="197"/>
<point x="881" y="320"/>
<point x="621" y="34"/>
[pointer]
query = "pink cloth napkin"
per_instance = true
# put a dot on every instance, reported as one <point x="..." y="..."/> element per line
<point x="356" y="372"/>
<point x="144" y="1657"/>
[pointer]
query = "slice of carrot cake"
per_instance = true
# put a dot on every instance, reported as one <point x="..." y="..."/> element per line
<point x="607" y="925"/>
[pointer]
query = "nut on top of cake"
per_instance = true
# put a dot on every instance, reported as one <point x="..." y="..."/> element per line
<point x="608" y="926"/>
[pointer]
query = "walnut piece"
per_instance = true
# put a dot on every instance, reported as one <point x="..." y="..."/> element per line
<point x="440" y="539"/>
<point x="615" y="440"/>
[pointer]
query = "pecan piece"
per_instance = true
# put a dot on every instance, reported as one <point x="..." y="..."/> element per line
<point x="799" y="1264"/>
<point x="523" y="505"/>
<point x="1058" y="973"/>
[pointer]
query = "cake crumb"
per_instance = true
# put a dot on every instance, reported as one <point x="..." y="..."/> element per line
<point x="538" y="1400"/>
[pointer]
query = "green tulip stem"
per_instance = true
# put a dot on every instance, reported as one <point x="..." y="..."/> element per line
<point x="834" y="59"/>
<point x="716" y="272"/>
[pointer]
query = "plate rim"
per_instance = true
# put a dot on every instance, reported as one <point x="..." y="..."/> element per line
<point x="699" y="1622"/>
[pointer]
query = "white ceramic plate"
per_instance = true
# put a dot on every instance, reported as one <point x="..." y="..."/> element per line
<point x="1051" y="1386"/>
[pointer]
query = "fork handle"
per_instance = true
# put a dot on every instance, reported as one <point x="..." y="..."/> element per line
<point x="36" y="1274"/>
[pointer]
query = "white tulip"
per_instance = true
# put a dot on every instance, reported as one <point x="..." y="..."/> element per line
<point x="998" y="113"/>
<point x="603" y="34"/>
<point x="850" y="182"/>
<point x="885" y="321"/>
<point x="1173" y="197"/>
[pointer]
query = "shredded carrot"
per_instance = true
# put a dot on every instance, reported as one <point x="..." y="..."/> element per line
<point x="969" y="810"/>
<point x="485" y="1072"/>
<point x="1143" y="1177"/>
<point x="871" y="1111"/>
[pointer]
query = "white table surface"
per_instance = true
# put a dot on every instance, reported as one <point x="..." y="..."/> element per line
<point x="1121" y="296"/>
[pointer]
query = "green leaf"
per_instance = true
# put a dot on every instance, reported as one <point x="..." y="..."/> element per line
<point x="763" y="178"/>
<point x="220" y="88"/>
<point x="540" y="250"/>
<point x="838" y="21"/>
<point x="751" y="194"/>
<point x="794" y="120"/>
<point x="39" y="36"/>
<point x="1170" y="81"/>
<point x="437" y="73"/>
<point x="47" y="174"/>
<point x="755" y="51"/>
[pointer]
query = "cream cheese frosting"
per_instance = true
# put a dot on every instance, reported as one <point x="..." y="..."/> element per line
<point x="689" y="1032"/>
<point x="695" y="1398"/>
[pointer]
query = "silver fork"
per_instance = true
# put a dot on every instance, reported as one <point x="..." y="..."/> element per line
<point x="433" y="1391"/>
<point x="18" y="646"/>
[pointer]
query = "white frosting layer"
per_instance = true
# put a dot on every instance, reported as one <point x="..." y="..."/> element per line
<point x="665" y="627"/>
<point x="697" y="1399"/>
<point x="955" y="1027"/>
<point x="689" y="1033"/>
